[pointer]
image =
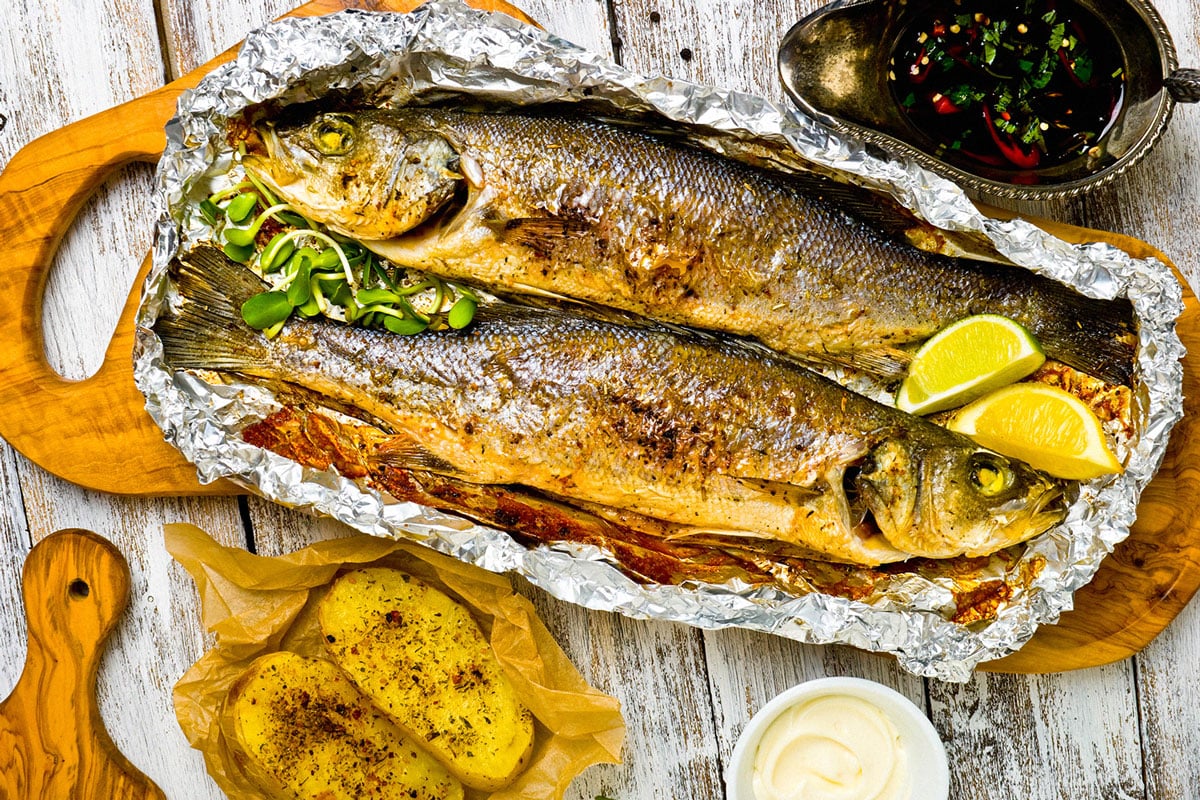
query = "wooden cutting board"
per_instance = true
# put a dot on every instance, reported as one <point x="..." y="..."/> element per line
<point x="52" y="741"/>
<point x="115" y="447"/>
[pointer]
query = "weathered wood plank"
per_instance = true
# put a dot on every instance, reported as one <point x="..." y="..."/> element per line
<point x="1157" y="199"/>
<point x="49" y="79"/>
<point x="196" y="32"/>
<point x="583" y="22"/>
<point x="104" y="250"/>
<point x="657" y="671"/>
<point x="160" y="634"/>
<point x="76" y="587"/>
<point x="101" y="253"/>
<point x="278" y="530"/>
<point x="1159" y="203"/>
<point x="14" y="545"/>
<point x="726" y="43"/>
<point x="1041" y="736"/>
<point x="1168" y="672"/>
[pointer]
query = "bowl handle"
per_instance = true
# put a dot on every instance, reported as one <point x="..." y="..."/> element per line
<point x="1183" y="85"/>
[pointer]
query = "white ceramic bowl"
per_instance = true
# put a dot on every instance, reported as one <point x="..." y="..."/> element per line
<point x="927" y="767"/>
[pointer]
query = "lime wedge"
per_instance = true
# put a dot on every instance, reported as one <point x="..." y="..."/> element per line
<point x="967" y="360"/>
<point x="1043" y="426"/>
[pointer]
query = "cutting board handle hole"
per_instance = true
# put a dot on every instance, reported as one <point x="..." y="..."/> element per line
<point x="112" y="231"/>
<point x="78" y="589"/>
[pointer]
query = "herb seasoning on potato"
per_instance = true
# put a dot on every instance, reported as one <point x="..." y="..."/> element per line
<point x="302" y="731"/>
<point x="422" y="659"/>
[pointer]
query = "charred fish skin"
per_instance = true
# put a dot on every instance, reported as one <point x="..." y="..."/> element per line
<point x="697" y="431"/>
<point x="618" y="217"/>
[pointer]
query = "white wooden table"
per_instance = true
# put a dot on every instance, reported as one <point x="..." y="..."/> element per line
<point x="1128" y="730"/>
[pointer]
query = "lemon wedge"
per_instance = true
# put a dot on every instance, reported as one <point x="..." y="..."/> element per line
<point x="1043" y="426"/>
<point x="967" y="360"/>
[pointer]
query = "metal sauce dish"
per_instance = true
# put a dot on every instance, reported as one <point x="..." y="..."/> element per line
<point x="834" y="64"/>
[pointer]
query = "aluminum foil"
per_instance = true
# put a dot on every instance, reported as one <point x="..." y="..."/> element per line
<point x="446" y="47"/>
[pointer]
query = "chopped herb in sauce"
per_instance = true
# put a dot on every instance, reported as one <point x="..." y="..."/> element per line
<point x="1009" y="85"/>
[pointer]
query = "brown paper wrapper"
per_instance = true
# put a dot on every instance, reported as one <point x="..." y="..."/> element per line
<point x="257" y="605"/>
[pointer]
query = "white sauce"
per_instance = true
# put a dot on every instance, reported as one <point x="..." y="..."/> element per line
<point x="834" y="747"/>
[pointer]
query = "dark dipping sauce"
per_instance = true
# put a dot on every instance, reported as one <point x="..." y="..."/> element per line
<point x="1009" y="86"/>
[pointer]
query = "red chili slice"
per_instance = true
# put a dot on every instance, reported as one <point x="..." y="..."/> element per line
<point x="1009" y="148"/>
<point x="943" y="105"/>
<point x="922" y="70"/>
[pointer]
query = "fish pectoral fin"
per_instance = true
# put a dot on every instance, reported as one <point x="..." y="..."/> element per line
<point x="889" y="363"/>
<point x="540" y="233"/>
<point x="405" y="452"/>
<point x="793" y="493"/>
<point x="686" y="532"/>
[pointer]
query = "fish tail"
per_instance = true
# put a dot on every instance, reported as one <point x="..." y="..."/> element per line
<point x="205" y="330"/>
<point x="1094" y="336"/>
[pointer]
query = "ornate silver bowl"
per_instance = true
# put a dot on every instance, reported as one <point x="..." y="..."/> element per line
<point x="834" y="65"/>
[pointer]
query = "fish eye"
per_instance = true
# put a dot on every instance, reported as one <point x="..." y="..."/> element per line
<point x="333" y="134"/>
<point x="990" y="474"/>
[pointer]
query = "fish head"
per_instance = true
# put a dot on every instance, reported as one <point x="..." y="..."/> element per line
<point x="949" y="499"/>
<point x="366" y="175"/>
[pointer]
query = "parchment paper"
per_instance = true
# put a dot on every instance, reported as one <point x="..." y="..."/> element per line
<point x="256" y="605"/>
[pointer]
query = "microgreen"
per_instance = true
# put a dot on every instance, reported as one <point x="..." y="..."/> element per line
<point x="266" y="309"/>
<point x="241" y="207"/>
<point x="461" y="313"/>
<point x="318" y="273"/>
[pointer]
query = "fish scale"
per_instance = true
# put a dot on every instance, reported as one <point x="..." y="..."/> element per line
<point x="611" y="215"/>
<point x="694" y="430"/>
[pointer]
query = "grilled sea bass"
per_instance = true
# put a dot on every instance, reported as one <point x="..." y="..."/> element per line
<point x="710" y="435"/>
<point x="607" y="214"/>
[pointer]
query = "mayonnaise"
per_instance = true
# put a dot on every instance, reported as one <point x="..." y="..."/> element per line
<point x="835" y="747"/>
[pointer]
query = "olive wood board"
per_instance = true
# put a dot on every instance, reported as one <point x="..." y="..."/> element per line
<point x="115" y="447"/>
<point x="53" y="743"/>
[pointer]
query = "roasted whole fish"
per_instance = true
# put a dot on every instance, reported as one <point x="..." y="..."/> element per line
<point x="649" y="551"/>
<point x="709" y="436"/>
<point x="604" y="213"/>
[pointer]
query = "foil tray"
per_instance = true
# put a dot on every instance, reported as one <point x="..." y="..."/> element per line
<point x="446" y="49"/>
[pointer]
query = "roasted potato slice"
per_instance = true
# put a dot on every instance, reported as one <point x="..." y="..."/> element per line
<point x="300" y="729"/>
<point x="421" y="657"/>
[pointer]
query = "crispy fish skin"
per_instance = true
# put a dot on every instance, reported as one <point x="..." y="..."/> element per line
<point x="707" y="434"/>
<point x="607" y="214"/>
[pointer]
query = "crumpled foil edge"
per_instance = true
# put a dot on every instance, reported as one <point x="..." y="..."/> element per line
<point x="445" y="45"/>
